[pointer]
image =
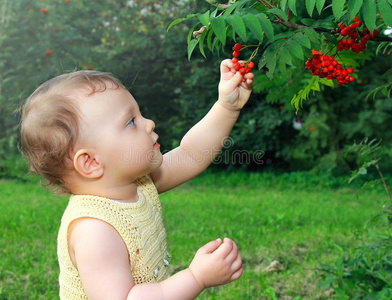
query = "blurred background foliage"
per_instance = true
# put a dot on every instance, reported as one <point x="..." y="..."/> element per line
<point x="41" y="39"/>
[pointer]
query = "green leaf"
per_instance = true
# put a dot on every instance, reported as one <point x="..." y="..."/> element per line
<point x="331" y="38"/>
<point x="353" y="7"/>
<point x="271" y="65"/>
<point x="385" y="10"/>
<point x="292" y="6"/>
<point x="177" y="21"/>
<point x="209" y="40"/>
<point x="238" y="25"/>
<point x="254" y="26"/>
<point x="219" y="27"/>
<point x="310" y="4"/>
<point x="204" y="18"/>
<point x="190" y="33"/>
<point x="201" y="42"/>
<point x="303" y="40"/>
<point x="283" y="4"/>
<point x="337" y="8"/>
<point x="266" y="25"/>
<point x="191" y="46"/>
<point x="327" y="82"/>
<point x="282" y="36"/>
<point x="230" y="9"/>
<point x="320" y="5"/>
<point x="308" y="22"/>
<point x="286" y="56"/>
<point x="369" y="14"/>
<point x="282" y="66"/>
<point x="296" y="49"/>
<point x="279" y="12"/>
<point x="312" y="35"/>
<point x="304" y="93"/>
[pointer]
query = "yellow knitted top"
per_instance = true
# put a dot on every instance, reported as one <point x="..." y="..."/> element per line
<point x="139" y="224"/>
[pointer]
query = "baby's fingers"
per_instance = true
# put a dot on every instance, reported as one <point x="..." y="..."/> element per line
<point x="237" y="274"/>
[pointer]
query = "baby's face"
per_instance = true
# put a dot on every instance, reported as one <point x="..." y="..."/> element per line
<point x="124" y="140"/>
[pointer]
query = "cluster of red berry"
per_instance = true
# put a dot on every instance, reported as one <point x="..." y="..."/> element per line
<point x="356" y="39"/>
<point x="326" y="66"/>
<point x="242" y="67"/>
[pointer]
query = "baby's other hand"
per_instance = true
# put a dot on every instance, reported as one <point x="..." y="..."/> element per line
<point x="234" y="88"/>
<point x="217" y="263"/>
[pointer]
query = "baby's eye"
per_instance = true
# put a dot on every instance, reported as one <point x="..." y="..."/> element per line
<point x="131" y="122"/>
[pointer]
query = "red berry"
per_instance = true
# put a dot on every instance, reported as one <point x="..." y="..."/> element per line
<point x="350" y="70"/>
<point x="242" y="71"/>
<point x="237" y="47"/>
<point x="251" y="64"/>
<point x="236" y="53"/>
<point x="234" y="59"/>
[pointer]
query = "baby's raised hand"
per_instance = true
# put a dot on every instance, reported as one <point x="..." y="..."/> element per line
<point x="234" y="88"/>
<point x="216" y="263"/>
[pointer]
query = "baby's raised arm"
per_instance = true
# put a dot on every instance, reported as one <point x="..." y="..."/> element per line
<point x="203" y="142"/>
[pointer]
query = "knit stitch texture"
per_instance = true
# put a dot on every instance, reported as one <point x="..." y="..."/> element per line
<point x="139" y="224"/>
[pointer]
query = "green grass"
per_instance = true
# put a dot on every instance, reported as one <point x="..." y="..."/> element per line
<point x="294" y="219"/>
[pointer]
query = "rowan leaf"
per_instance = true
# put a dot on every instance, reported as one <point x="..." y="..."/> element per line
<point x="191" y="46"/>
<point x="204" y="18"/>
<point x="278" y="12"/>
<point x="266" y="25"/>
<point x="369" y="14"/>
<point x="310" y="4"/>
<point x="238" y="25"/>
<point x="385" y="10"/>
<point x="311" y="34"/>
<point x="353" y="7"/>
<point x="320" y="5"/>
<point x="292" y="6"/>
<point x="296" y="49"/>
<point x="252" y="22"/>
<point x="327" y="82"/>
<point x="230" y="9"/>
<point x="283" y="4"/>
<point x="286" y="56"/>
<point x="337" y="8"/>
<point x="190" y="33"/>
<point x="218" y="25"/>
<point x="177" y="21"/>
<point x="201" y="42"/>
<point x="282" y="66"/>
<point x="271" y="65"/>
<point x="209" y="40"/>
<point x="303" y="40"/>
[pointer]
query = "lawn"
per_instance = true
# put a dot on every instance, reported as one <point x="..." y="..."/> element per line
<point x="294" y="220"/>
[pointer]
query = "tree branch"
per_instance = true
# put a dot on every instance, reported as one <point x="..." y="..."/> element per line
<point x="280" y="20"/>
<point x="383" y="180"/>
<point x="217" y="4"/>
<point x="288" y="24"/>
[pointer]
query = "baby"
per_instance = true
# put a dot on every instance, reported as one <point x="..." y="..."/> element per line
<point x="83" y="132"/>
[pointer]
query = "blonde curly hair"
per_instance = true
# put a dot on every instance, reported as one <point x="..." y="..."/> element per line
<point x="51" y="119"/>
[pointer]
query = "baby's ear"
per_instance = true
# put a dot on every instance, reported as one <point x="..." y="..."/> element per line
<point x="87" y="164"/>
